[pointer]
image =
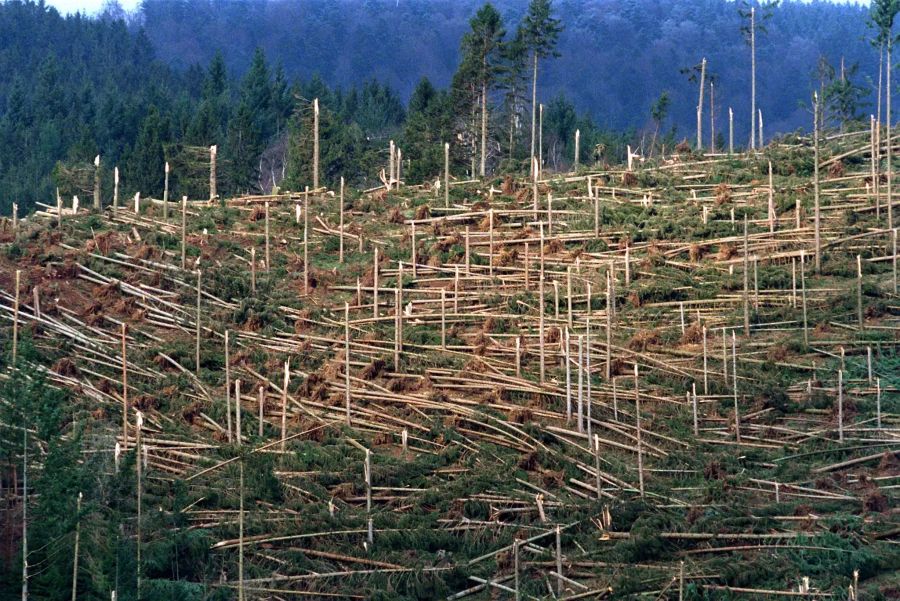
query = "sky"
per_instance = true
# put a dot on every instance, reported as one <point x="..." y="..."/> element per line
<point x="92" y="6"/>
<point x="88" y="6"/>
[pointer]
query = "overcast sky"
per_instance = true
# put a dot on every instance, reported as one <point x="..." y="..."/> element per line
<point x="92" y="6"/>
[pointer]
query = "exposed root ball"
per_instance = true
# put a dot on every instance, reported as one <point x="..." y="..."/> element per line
<point x="509" y="186"/>
<point x="693" y="334"/>
<point x="836" y="169"/>
<point x="723" y="194"/>
<point x="643" y="339"/>
<point x="695" y="252"/>
<point x="726" y="251"/>
<point x="65" y="367"/>
<point x="396" y="216"/>
<point x="373" y="369"/>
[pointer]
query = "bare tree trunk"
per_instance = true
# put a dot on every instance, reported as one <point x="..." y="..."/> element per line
<point x="287" y="381"/>
<point x="818" y="241"/>
<point x="474" y="139"/>
<point x="391" y="165"/>
<point x="315" y="147"/>
<point x="25" y="515"/>
<point x="760" y="138"/>
<point x="15" y="341"/>
<point x="577" y="148"/>
<point x="880" y="73"/>
<point x="534" y="111"/>
<point x="712" y="117"/>
<point x="737" y="412"/>
<point x="166" y="194"/>
<point x="484" y="125"/>
<point x="197" y="347"/>
<point x="212" y="173"/>
<point x="730" y="130"/>
<point x="77" y="540"/>
<point x="746" y="296"/>
<point x="241" y="533"/>
<point x="347" y="360"/>
<point x="237" y="411"/>
<point x="124" y="393"/>
<point x="97" y="183"/>
<point x="306" y="241"/>
<point x="890" y="169"/>
<point x="228" y="386"/>
<point x="637" y="417"/>
<point x="803" y="297"/>
<point x="700" y="105"/>
<point x="183" y="230"/>
<point x="540" y="163"/>
<point x="541" y="325"/>
<point x="753" y="78"/>
<point x="446" y="174"/>
<point x="341" y="243"/>
<point x="137" y="464"/>
<point x="115" y="190"/>
<point x="512" y="132"/>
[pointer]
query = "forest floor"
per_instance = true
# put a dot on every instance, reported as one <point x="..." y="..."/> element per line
<point x="550" y="399"/>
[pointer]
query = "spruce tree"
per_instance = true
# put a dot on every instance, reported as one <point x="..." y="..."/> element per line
<point x="242" y="149"/>
<point x="429" y="124"/>
<point x="481" y="46"/>
<point x="146" y="163"/>
<point x="511" y="79"/>
<point x="756" y="14"/>
<point x="256" y="93"/>
<point x="541" y="32"/>
<point x="884" y="12"/>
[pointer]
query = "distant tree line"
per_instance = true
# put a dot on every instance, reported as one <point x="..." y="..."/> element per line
<point x="610" y="69"/>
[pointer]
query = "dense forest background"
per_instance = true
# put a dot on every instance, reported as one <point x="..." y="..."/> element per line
<point x="616" y="56"/>
<point x="179" y="75"/>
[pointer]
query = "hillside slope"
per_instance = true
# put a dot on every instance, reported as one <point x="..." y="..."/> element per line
<point x="438" y="399"/>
